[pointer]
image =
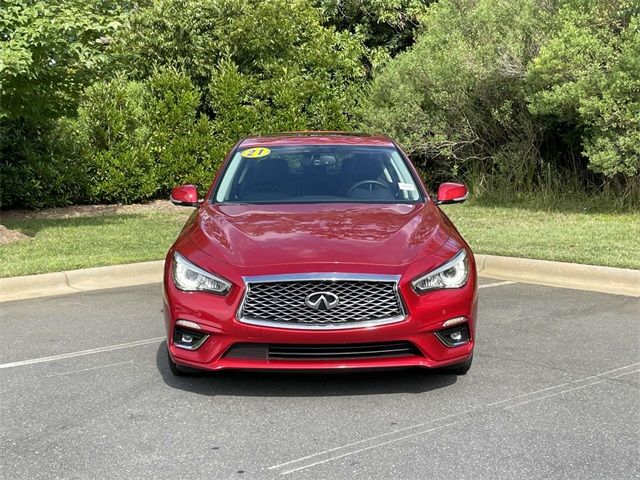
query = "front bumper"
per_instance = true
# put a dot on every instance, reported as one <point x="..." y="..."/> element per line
<point x="216" y="315"/>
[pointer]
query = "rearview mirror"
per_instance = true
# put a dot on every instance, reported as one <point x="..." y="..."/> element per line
<point x="452" y="193"/>
<point x="185" y="196"/>
<point x="325" y="161"/>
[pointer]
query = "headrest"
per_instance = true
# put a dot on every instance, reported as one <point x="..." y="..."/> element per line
<point x="271" y="170"/>
<point x="362" y="166"/>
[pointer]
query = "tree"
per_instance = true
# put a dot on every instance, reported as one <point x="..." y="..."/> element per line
<point x="586" y="77"/>
<point x="261" y="65"/>
<point x="456" y="99"/>
<point x="387" y="27"/>
<point x="513" y="90"/>
<point x="49" y="51"/>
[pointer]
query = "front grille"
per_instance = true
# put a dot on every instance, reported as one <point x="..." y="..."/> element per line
<point x="284" y="303"/>
<point x="262" y="351"/>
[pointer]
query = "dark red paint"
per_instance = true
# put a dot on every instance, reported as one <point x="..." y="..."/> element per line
<point x="233" y="241"/>
<point x="185" y="195"/>
<point x="452" y="193"/>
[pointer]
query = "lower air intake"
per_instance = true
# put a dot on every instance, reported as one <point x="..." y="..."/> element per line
<point x="321" y="352"/>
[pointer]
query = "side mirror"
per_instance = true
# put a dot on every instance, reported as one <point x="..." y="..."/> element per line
<point x="452" y="193"/>
<point x="185" y="196"/>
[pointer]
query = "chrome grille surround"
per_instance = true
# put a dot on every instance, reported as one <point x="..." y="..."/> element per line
<point x="278" y="301"/>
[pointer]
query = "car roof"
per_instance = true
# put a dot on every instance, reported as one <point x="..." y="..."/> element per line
<point x="317" y="138"/>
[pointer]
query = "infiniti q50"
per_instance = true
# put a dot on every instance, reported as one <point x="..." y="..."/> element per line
<point x="319" y="251"/>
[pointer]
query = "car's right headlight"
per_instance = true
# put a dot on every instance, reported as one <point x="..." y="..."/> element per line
<point x="191" y="278"/>
<point x="453" y="274"/>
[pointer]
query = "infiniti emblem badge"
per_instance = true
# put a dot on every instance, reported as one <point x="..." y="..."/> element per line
<point x="322" y="301"/>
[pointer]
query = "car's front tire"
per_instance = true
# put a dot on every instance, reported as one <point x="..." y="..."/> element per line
<point x="460" y="368"/>
<point x="179" y="370"/>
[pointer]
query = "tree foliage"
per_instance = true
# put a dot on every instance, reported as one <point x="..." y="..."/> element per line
<point x="387" y="27"/>
<point x="49" y="51"/>
<point x="266" y="40"/>
<point x="457" y="96"/>
<point x="118" y="100"/>
<point x="490" y="85"/>
<point x="261" y="66"/>
<point x="587" y="74"/>
<point x="194" y="77"/>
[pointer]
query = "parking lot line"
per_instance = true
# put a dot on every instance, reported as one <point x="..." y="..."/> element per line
<point x="563" y="384"/>
<point x="91" y="351"/>
<point x="73" y="372"/>
<point x="626" y="373"/>
<point x="421" y="432"/>
<point x="496" y="284"/>
<point x="370" y="447"/>
<point x="411" y="427"/>
<point x="561" y="392"/>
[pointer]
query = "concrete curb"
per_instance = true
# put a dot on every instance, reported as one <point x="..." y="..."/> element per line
<point x="74" y="281"/>
<point x="617" y="281"/>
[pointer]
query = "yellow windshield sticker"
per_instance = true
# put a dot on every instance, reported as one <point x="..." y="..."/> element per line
<point x="256" y="152"/>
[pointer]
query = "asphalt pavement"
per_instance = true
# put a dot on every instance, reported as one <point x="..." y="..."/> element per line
<point x="85" y="392"/>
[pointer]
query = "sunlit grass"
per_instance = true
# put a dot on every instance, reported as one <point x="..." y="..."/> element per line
<point x="567" y="235"/>
<point x="67" y="244"/>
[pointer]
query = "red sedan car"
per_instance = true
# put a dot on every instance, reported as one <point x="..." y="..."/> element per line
<point x="319" y="251"/>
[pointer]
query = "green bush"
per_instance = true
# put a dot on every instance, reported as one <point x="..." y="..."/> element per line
<point x="295" y="73"/>
<point x="196" y="76"/>
<point x="515" y="96"/>
<point x="40" y="167"/>
<point x="143" y="138"/>
<point x="113" y="133"/>
<point x="456" y="98"/>
<point x="131" y="141"/>
<point x="587" y="74"/>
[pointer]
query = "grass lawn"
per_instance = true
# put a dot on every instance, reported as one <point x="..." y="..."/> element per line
<point x="70" y="243"/>
<point x="611" y="239"/>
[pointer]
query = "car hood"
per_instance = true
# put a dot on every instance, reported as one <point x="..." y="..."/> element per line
<point x="269" y="235"/>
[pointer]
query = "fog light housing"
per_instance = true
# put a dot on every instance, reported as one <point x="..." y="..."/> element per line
<point x="188" y="339"/>
<point x="454" y="337"/>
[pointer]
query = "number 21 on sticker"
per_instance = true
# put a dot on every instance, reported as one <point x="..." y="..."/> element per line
<point x="256" y="152"/>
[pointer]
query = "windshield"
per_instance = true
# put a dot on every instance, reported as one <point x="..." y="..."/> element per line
<point x="317" y="173"/>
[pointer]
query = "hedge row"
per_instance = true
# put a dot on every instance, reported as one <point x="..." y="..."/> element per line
<point x="187" y="79"/>
<point x="119" y="101"/>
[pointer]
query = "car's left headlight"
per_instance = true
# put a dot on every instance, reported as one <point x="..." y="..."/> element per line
<point x="191" y="278"/>
<point x="453" y="274"/>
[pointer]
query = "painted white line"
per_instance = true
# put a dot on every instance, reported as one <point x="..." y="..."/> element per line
<point x="627" y="373"/>
<point x="554" y="394"/>
<point x="342" y="447"/>
<point x="561" y="385"/>
<point x="88" y="369"/>
<point x="377" y="445"/>
<point x="580" y="387"/>
<point x="527" y="394"/>
<point x="496" y="284"/>
<point x="81" y="353"/>
<point x="371" y="438"/>
<point x="607" y="372"/>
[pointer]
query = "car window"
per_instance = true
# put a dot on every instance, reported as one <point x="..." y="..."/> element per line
<point x="317" y="173"/>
